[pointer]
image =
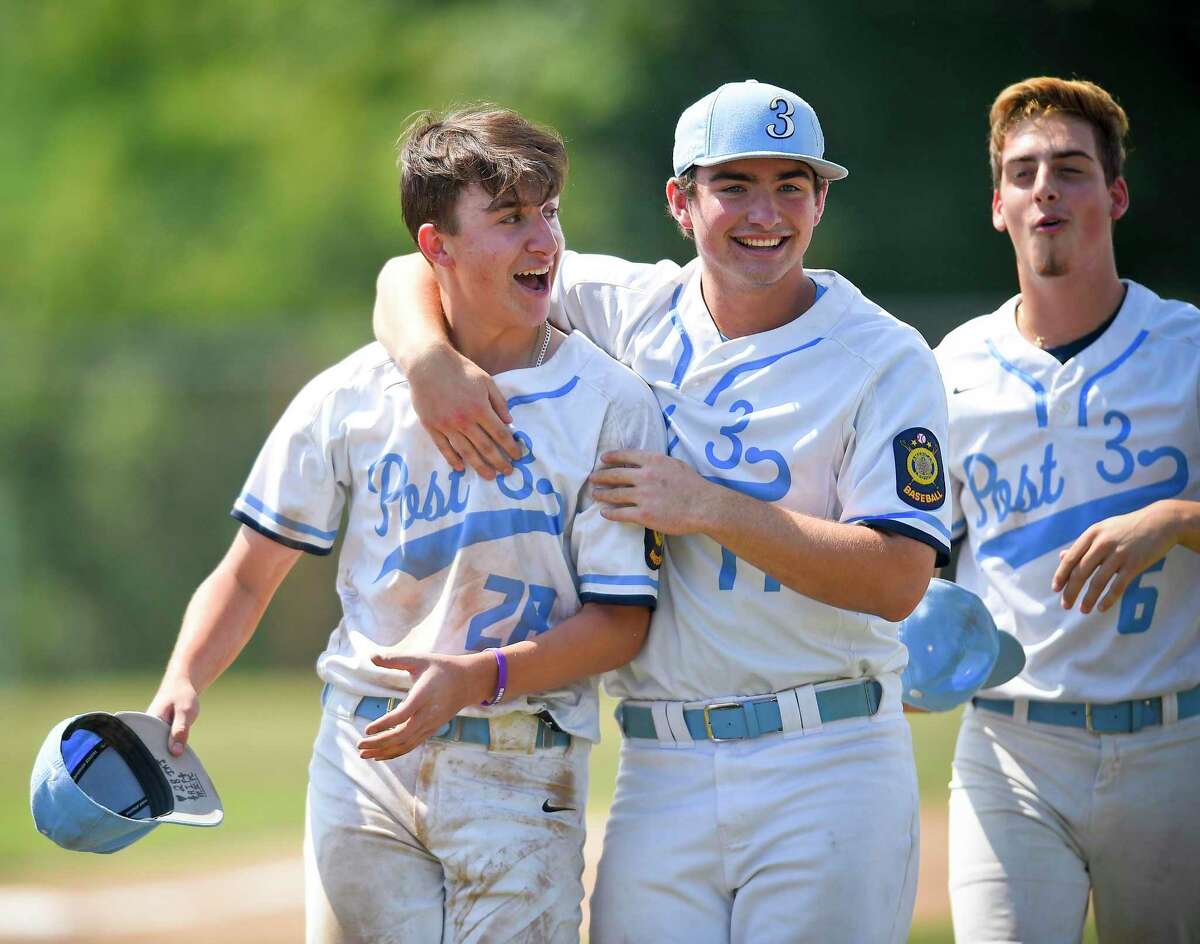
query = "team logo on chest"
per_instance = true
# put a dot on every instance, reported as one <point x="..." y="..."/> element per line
<point x="920" y="481"/>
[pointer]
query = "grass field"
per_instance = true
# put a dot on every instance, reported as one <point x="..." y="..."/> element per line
<point x="254" y="735"/>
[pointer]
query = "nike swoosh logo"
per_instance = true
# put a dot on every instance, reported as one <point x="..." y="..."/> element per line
<point x="965" y="389"/>
<point x="547" y="808"/>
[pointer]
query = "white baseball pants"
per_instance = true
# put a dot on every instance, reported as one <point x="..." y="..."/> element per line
<point x="1040" y="814"/>
<point x="449" y="843"/>
<point x="783" y="838"/>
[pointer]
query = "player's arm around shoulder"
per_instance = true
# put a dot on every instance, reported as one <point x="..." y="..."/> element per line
<point x="219" y="621"/>
<point x="457" y="402"/>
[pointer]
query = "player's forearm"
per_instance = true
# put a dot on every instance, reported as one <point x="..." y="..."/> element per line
<point x="226" y="608"/>
<point x="1185" y="520"/>
<point x="597" y="639"/>
<point x="844" y="565"/>
<point x="219" y="621"/>
<point x="408" y="318"/>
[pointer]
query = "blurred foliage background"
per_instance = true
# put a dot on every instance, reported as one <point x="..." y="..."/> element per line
<point x="197" y="197"/>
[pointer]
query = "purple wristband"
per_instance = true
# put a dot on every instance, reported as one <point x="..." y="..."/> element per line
<point x="501" y="678"/>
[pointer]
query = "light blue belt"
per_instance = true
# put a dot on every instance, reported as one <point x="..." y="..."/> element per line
<point x="464" y="728"/>
<point x="1122" y="717"/>
<point x="741" y="720"/>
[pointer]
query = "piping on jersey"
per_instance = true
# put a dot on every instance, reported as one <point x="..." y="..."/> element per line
<point x="924" y="516"/>
<point x="290" y="523"/>
<point x="1107" y="369"/>
<point x="734" y="372"/>
<point x="620" y="579"/>
<point x="685" y="357"/>
<point x="1039" y="391"/>
<point x="562" y="391"/>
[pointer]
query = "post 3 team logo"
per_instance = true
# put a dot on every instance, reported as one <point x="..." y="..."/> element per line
<point x="920" y="481"/>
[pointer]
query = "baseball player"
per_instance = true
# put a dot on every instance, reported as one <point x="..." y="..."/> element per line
<point x="766" y="789"/>
<point x="448" y="779"/>
<point x="1075" y="438"/>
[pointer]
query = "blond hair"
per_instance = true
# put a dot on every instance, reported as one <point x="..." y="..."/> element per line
<point x="1046" y="95"/>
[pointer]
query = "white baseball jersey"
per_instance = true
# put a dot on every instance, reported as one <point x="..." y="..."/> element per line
<point x="838" y="414"/>
<point x="1040" y="451"/>
<point x="440" y="561"/>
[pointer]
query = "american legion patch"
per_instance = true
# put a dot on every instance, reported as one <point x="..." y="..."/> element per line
<point x="655" y="547"/>
<point x="920" y="481"/>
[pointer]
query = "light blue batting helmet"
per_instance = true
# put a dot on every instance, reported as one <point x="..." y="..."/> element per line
<point x="954" y="649"/>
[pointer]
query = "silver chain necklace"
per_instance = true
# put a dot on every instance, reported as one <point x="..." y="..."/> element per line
<point x="545" y="344"/>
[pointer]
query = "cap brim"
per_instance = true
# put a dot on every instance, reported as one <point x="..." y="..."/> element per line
<point x="1009" y="662"/>
<point x="823" y="168"/>
<point x="196" y="799"/>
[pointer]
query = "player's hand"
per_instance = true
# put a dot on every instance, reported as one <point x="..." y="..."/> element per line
<point x="652" y="490"/>
<point x="464" y="412"/>
<point x="1111" y="554"/>
<point x="442" y="686"/>
<point x="177" y="703"/>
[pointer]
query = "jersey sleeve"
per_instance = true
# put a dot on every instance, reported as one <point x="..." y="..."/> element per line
<point x="618" y="562"/>
<point x="893" y="475"/>
<point x="605" y="297"/>
<point x="293" y="494"/>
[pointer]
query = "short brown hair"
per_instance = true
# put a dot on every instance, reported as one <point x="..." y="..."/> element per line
<point x="1046" y="95"/>
<point x="440" y="155"/>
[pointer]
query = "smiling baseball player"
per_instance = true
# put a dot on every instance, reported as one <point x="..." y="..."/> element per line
<point x="1075" y="431"/>
<point x="448" y="779"/>
<point x="766" y="790"/>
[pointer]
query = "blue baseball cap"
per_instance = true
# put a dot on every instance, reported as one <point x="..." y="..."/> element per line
<point x="102" y="781"/>
<point x="751" y="119"/>
<point x="954" y="649"/>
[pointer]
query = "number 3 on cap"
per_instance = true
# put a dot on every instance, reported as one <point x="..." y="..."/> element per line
<point x="783" y="116"/>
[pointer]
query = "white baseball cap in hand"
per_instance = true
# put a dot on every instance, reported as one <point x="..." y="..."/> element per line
<point x="751" y="119"/>
<point x="102" y="781"/>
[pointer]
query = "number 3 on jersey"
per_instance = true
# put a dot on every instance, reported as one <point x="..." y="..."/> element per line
<point x="535" y="618"/>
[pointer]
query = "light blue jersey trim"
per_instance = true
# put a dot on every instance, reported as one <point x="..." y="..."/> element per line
<point x="1038" y="390"/>
<point x="298" y="526"/>
<point x="924" y="516"/>
<point x="731" y="375"/>
<point x="623" y="580"/>
<point x="1103" y="371"/>
<point x="544" y="394"/>
<point x="685" y="358"/>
